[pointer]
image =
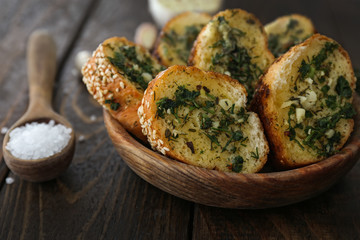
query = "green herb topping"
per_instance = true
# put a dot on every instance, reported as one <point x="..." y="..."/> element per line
<point x="222" y="127"/>
<point x="292" y="33"/>
<point x="236" y="164"/>
<point x="234" y="59"/>
<point x="113" y="105"/>
<point x="182" y="43"/>
<point x="138" y="70"/>
<point x="314" y="129"/>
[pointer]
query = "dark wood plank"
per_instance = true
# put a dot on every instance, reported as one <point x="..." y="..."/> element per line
<point x="19" y="19"/>
<point x="332" y="215"/>
<point x="98" y="196"/>
<point x="140" y="211"/>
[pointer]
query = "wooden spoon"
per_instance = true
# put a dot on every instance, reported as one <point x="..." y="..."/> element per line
<point x="41" y="63"/>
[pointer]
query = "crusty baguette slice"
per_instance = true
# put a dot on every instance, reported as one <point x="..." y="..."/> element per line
<point x="233" y="43"/>
<point x="116" y="76"/>
<point x="200" y="118"/>
<point x="177" y="37"/>
<point x="304" y="101"/>
<point x="287" y="31"/>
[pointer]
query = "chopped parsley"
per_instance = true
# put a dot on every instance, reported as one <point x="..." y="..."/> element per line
<point x="182" y="43"/>
<point x="183" y="97"/>
<point x="308" y="69"/>
<point x="236" y="164"/>
<point x="233" y="58"/>
<point x="221" y="127"/>
<point x="255" y="154"/>
<point x="319" y="133"/>
<point x="113" y="105"/>
<point x="126" y="59"/>
<point x="292" y="33"/>
<point x="292" y="24"/>
<point x="343" y="87"/>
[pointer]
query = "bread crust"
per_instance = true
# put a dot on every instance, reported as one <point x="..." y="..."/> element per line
<point x="266" y="96"/>
<point x="154" y="127"/>
<point x="178" y="24"/>
<point x="112" y="88"/>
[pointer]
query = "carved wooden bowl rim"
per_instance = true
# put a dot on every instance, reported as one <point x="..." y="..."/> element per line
<point x="234" y="190"/>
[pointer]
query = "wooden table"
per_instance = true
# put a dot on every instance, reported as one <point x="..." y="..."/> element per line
<point x="99" y="197"/>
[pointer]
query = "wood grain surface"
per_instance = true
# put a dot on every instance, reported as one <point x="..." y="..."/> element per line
<point x="99" y="197"/>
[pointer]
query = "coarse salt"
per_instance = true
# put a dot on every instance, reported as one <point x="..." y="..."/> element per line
<point x="81" y="138"/>
<point x="93" y="118"/>
<point x="38" y="140"/>
<point x="4" y="130"/>
<point x="9" y="180"/>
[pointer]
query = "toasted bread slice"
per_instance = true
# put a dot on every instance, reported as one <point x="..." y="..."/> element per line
<point x="304" y="101"/>
<point x="233" y="43"/>
<point x="200" y="118"/>
<point x="116" y="76"/>
<point x="287" y="31"/>
<point x="177" y="37"/>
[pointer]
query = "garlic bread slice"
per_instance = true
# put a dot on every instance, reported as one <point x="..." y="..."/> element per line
<point x="200" y="118"/>
<point x="305" y="102"/>
<point x="116" y="76"/>
<point x="177" y="37"/>
<point x="233" y="43"/>
<point x="287" y="31"/>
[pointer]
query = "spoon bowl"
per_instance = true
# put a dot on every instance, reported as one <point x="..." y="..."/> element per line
<point x="41" y="57"/>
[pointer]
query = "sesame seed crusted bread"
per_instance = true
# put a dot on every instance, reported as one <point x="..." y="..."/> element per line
<point x="233" y="43"/>
<point x="177" y="37"/>
<point x="304" y="101"/>
<point x="200" y="118"/>
<point x="287" y="31"/>
<point x="116" y="76"/>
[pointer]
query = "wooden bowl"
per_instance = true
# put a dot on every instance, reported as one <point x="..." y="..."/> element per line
<point x="234" y="190"/>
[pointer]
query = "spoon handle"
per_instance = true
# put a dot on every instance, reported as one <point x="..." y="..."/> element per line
<point x="41" y="64"/>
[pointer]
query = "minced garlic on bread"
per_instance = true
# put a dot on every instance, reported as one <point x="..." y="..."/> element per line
<point x="305" y="102"/>
<point x="177" y="37"/>
<point x="233" y="43"/>
<point x="200" y="118"/>
<point x="287" y="31"/>
<point x="116" y="76"/>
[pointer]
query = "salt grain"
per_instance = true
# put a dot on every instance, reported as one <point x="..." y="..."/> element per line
<point x="81" y="138"/>
<point x="93" y="118"/>
<point x="9" y="180"/>
<point x="38" y="140"/>
<point x="4" y="130"/>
